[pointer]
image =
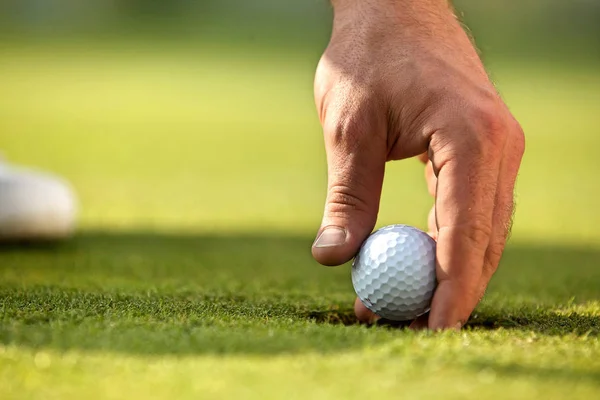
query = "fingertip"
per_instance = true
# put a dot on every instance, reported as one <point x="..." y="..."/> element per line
<point x="450" y="307"/>
<point x="334" y="246"/>
<point x="421" y="323"/>
<point x="363" y="314"/>
<point x="330" y="257"/>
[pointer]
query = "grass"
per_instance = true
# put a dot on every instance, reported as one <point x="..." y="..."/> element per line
<point x="201" y="177"/>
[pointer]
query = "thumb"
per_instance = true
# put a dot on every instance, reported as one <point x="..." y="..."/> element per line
<point x="356" y="162"/>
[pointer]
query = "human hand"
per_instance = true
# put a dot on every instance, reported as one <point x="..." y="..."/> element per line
<point x="401" y="79"/>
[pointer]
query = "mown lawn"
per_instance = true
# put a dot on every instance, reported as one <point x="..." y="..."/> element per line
<point x="201" y="176"/>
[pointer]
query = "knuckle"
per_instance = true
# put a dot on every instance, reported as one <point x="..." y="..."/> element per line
<point x="342" y="127"/>
<point x="348" y="113"/>
<point x="471" y="237"/>
<point x="491" y="126"/>
<point x="342" y="199"/>
<point x="492" y="258"/>
<point x="477" y="233"/>
<point x="480" y="229"/>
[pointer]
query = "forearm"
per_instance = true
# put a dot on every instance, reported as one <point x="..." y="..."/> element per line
<point x="406" y="10"/>
<point x="409" y="23"/>
<point x="417" y="18"/>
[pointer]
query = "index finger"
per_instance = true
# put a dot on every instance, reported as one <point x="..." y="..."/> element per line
<point x="467" y="170"/>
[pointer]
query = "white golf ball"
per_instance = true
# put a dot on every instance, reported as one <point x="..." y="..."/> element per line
<point x="35" y="205"/>
<point x="394" y="272"/>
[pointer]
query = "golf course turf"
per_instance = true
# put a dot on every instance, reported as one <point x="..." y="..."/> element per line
<point x="201" y="185"/>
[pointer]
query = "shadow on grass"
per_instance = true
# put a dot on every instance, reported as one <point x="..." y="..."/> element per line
<point x="255" y="294"/>
<point x="544" y="321"/>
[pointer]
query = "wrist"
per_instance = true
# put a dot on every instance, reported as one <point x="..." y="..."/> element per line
<point x="371" y="26"/>
<point x="392" y="4"/>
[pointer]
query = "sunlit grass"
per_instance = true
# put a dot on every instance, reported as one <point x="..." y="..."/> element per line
<point x="201" y="176"/>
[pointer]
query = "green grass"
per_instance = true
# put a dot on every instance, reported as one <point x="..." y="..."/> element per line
<point x="201" y="177"/>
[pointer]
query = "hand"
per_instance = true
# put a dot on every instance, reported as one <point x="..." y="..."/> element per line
<point x="401" y="79"/>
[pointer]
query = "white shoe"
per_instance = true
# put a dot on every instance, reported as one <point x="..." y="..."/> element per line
<point x="35" y="205"/>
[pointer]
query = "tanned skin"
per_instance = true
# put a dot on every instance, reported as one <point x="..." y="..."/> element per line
<point x="402" y="79"/>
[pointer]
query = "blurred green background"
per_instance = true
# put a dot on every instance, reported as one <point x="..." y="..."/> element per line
<point x="189" y="132"/>
<point x="199" y="114"/>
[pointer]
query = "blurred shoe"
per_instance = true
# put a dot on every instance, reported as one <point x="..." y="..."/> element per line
<point x="35" y="205"/>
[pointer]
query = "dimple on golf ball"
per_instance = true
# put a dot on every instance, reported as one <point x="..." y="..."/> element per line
<point x="394" y="272"/>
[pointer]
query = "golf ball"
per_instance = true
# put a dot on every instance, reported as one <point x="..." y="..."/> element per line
<point x="394" y="272"/>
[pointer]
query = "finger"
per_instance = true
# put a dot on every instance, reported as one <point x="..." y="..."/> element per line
<point x="430" y="178"/>
<point x="431" y="181"/>
<point x="504" y="207"/>
<point x="356" y="154"/>
<point x="467" y="173"/>
<point x="432" y="224"/>
<point x="363" y="314"/>
<point x="422" y="322"/>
